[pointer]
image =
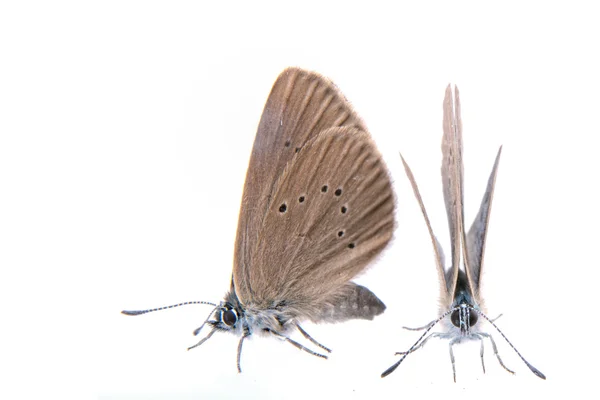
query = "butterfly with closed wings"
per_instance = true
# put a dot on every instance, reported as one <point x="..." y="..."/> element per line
<point x="317" y="207"/>
<point x="462" y="308"/>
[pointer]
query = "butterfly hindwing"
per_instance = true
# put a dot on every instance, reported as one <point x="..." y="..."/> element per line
<point x="478" y="232"/>
<point x="332" y="213"/>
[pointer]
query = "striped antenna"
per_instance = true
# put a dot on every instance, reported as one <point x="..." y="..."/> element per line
<point x="414" y="346"/>
<point x="533" y="369"/>
<point x="140" y="312"/>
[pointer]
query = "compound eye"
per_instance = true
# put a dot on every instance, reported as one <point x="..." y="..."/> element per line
<point x="229" y="317"/>
<point x="472" y="317"/>
<point x="455" y="318"/>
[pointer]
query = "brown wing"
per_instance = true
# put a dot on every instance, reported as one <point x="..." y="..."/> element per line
<point x="478" y="233"/>
<point x="301" y="105"/>
<point x="332" y="212"/>
<point x="445" y="295"/>
<point x="458" y="144"/>
<point x="451" y="182"/>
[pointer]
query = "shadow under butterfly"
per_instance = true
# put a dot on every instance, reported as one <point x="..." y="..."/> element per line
<point x="461" y="301"/>
<point x="317" y="207"/>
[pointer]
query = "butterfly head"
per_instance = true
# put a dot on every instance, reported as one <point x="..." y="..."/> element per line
<point x="229" y="315"/>
<point x="464" y="317"/>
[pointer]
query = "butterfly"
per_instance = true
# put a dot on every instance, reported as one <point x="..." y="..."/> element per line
<point x="462" y="305"/>
<point x="317" y="208"/>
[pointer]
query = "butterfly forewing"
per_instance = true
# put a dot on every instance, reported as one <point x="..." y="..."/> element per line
<point x="478" y="232"/>
<point x="301" y="105"/>
<point x="458" y="145"/>
<point x="332" y="212"/>
<point x="451" y="187"/>
<point x="446" y="296"/>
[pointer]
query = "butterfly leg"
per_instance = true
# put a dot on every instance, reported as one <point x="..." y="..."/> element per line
<point x="494" y="320"/>
<point x="419" y="328"/>
<point x="487" y="335"/>
<point x="434" y="334"/>
<point x="306" y="335"/>
<point x="481" y="350"/>
<point x="203" y="339"/>
<point x="197" y="331"/>
<point x="298" y="345"/>
<point x="452" y="343"/>
<point x="239" y="351"/>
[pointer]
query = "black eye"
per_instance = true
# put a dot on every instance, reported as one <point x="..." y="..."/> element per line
<point x="229" y="317"/>
<point x="455" y="318"/>
<point x="472" y="317"/>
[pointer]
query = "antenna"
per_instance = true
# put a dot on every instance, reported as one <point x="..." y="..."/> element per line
<point x="533" y="369"/>
<point x="140" y="312"/>
<point x="432" y="324"/>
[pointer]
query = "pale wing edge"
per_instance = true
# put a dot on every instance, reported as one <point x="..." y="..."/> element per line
<point x="437" y="249"/>
<point x="476" y="238"/>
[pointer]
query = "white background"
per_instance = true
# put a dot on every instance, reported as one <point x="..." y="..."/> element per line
<point x="125" y="133"/>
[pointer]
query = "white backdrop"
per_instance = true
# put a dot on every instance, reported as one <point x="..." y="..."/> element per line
<point x="125" y="133"/>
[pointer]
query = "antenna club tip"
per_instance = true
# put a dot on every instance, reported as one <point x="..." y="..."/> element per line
<point x="539" y="374"/>
<point x="389" y="370"/>
<point x="127" y="312"/>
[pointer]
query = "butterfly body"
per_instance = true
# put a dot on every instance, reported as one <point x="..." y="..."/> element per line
<point x="463" y="321"/>
<point x="357" y="302"/>
<point x="233" y="317"/>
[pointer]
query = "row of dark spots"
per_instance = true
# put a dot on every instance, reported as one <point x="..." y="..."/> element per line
<point x="337" y="193"/>
<point x="341" y="234"/>
<point x="343" y="209"/>
<point x="283" y="207"/>
<point x="288" y="143"/>
<point x="324" y="189"/>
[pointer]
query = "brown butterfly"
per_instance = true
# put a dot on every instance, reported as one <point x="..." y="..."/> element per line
<point x="460" y="299"/>
<point x="317" y="208"/>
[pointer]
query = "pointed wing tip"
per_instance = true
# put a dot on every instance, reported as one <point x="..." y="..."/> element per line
<point x="498" y="155"/>
<point x="448" y="96"/>
<point x="448" y="92"/>
<point x="406" y="168"/>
